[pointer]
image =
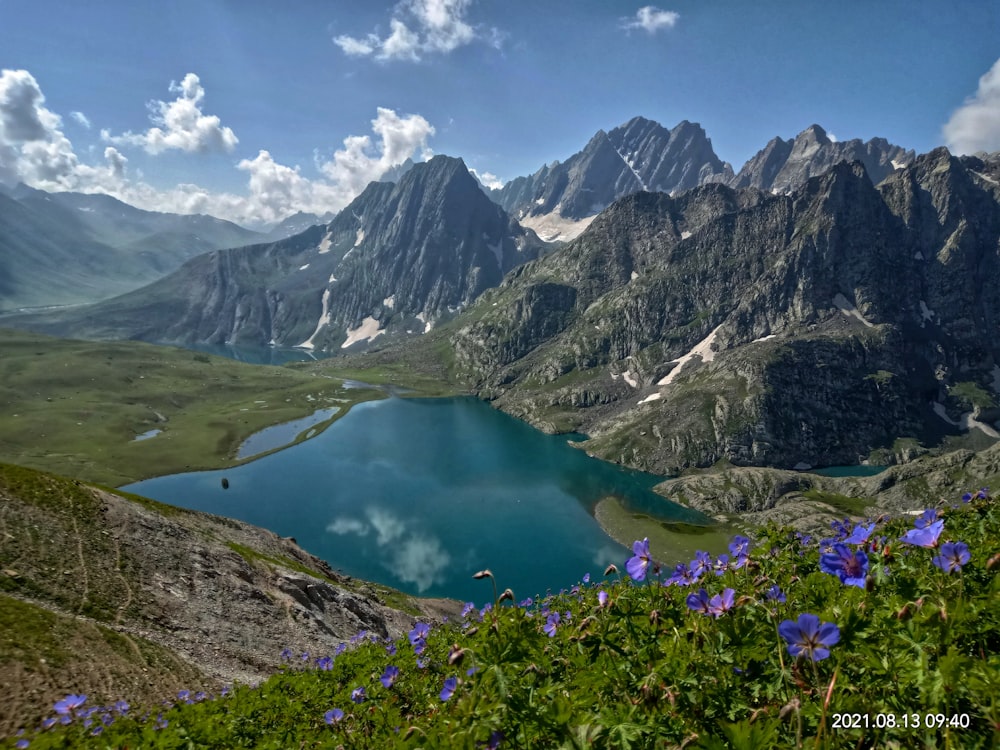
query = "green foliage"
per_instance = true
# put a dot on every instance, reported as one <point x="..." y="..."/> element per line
<point x="971" y="394"/>
<point x="628" y="665"/>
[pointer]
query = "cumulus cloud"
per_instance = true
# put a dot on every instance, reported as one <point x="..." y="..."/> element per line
<point x="180" y="124"/>
<point x="651" y="19"/>
<point x="418" y="27"/>
<point x="343" y="526"/>
<point x="975" y="126"/>
<point x="34" y="150"/>
<point x="81" y="119"/>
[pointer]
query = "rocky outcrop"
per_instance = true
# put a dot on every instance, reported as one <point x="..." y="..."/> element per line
<point x="639" y="155"/>
<point x="783" y="166"/>
<point x="762" y="329"/>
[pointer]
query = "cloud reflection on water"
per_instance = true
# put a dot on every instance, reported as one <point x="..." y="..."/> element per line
<point x="412" y="556"/>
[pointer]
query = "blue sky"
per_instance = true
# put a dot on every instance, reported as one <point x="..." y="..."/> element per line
<point x="242" y="108"/>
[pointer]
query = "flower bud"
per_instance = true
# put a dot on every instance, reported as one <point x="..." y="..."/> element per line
<point x="993" y="561"/>
<point x="456" y="655"/>
<point x="612" y="568"/>
<point x="483" y="574"/>
<point x="507" y="594"/>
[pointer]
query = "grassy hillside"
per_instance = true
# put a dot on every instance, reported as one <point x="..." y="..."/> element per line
<point x="117" y="596"/>
<point x="76" y="407"/>
<point x="886" y="634"/>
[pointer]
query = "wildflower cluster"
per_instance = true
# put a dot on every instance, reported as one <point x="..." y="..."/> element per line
<point x="759" y="646"/>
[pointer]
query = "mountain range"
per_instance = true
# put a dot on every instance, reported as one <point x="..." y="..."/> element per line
<point x="818" y="305"/>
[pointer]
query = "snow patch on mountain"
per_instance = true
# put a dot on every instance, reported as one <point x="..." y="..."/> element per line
<point x="368" y="330"/>
<point x="703" y="350"/>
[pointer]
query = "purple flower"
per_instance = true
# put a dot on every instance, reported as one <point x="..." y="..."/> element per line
<point x="953" y="555"/>
<point x="449" y="688"/>
<point x="721" y="564"/>
<point x="926" y="518"/>
<point x="286" y="654"/>
<point x="739" y="546"/>
<point x="718" y="605"/>
<point x="850" y="567"/>
<point x="21" y="744"/>
<point x="420" y="632"/>
<point x="775" y="594"/>
<point x="698" y="602"/>
<point x="333" y="716"/>
<point x="358" y="695"/>
<point x="325" y="663"/>
<point x="602" y="598"/>
<point x="468" y="608"/>
<point x="924" y="537"/>
<point x="637" y="564"/>
<point x="860" y="534"/>
<point x="586" y="577"/>
<point x="389" y="676"/>
<point x="680" y="577"/>
<point x="702" y="562"/>
<point x="551" y="623"/>
<point x="809" y="637"/>
<point x="495" y="739"/>
<point x="843" y="528"/>
<point x="390" y="648"/>
<point x="67" y="704"/>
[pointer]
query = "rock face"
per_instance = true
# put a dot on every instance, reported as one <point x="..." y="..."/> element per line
<point x="399" y="259"/>
<point x="781" y="330"/>
<point x="639" y="155"/>
<point x="783" y="166"/>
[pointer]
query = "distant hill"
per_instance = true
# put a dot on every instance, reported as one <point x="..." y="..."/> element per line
<point x="72" y="248"/>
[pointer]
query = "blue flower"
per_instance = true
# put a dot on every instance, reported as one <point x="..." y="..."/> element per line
<point x="775" y="594"/>
<point x="926" y="536"/>
<point x="681" y="576"/>
<point x="702" y="562"/>
<point x="699" y="601"/>
<point x="358" y="695"/>
<point x="602" y="598"/>
<point x="586" y="577"/>
<point x="70" y="702"/>
<point x="953" y="555"/>
<point x="333" y="716"/>
<point x="449" y="688"/>
<point x="468" y="608"/>
<point x="495" y="739"/>
<point x="926" y="518"/>
<point x="809" y="637"/>
<point x="286" y="653"/>
<point x="325" y="663"/>
<point x="637" y="564"/>
<point x="739" y="546"/>
<point x="719" y="604"/>
<point x="721" y="564"/>
<point x="860" y="534"/>
<point x="389" y="676"/>
<point x="21" y="744"/>
<point x="850" y="567"/>
<point x="551" y="623"/>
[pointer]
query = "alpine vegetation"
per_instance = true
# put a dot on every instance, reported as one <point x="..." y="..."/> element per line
<point x="883" y="634"/>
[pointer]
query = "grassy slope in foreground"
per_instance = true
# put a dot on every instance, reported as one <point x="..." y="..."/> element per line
<point x="116" y="596"/>
<point x="909" y="658"/>
<point x="75" y="407"/>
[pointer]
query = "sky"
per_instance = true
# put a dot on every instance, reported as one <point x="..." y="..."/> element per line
<point x="251" y="110"/>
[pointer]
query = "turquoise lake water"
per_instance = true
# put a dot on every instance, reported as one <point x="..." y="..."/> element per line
<point x="419" y="494"/>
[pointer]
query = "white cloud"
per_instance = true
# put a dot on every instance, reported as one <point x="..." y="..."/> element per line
<point x="487" y="179"/>
<point x="975" y="126"/>
<point x="81" y="118"/>
<point x="420" y="561"/>
<point x="342" y="526"/>
<point x="34" y="150"/>
<point x="652" y="19"/>
<point x="388" y="527"/>
<point x="180" y="124"/>
<point x="418" y="27"/>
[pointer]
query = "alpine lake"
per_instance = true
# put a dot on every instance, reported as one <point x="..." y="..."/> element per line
<point x="420" y="493"/>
